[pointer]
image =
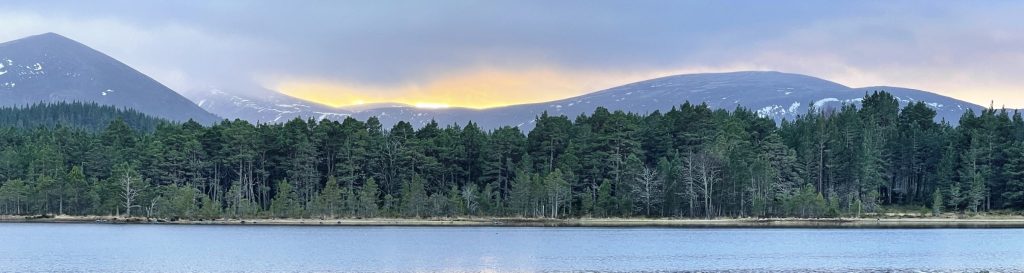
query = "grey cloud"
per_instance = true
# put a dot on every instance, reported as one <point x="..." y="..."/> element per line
<point x="395" y="42"/>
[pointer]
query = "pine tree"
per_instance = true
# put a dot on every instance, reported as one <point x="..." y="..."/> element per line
<point x="285" y="203"/>
<point x="209" y="208"/>
<point x="414" y="198"/>
<point x="605" y="200"/>
<point x="974" y="179"/>
<point x="520" y="197"/>
<point x="14" y="196"/>
<point x="454" y="206"/>
<point x="1013" y="195"/>
<point x="558" y="192"/>
<point x="330" y="200"/>
<point x="368" y="198"/>
<point x="945" y="177"/>
<point x="976" y="195"/>
<point x="76" y="191"/>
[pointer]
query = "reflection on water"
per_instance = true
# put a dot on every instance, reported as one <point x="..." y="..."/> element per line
<point x="170" y="248"/>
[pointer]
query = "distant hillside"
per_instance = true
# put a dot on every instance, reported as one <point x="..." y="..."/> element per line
<point x="87" y="116"/>
<point x="261" y="105"/>
<point x="53" y="68"/>
<point x="771" y="94"/>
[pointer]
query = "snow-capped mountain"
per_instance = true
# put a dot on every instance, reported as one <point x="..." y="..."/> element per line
<point x="52" y="68"/>
<point x="771" y="94"/>
<point x="262" y="105"/>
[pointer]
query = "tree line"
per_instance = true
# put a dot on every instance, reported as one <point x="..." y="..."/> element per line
<point x="86" y="116"/>
<point x="691" y="161"/>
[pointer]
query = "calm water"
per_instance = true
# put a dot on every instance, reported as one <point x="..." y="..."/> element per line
<point x="163" y="248"/>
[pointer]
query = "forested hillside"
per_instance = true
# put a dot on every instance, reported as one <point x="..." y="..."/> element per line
<point x="688" y="162"/>
<point x="87" y="116"/>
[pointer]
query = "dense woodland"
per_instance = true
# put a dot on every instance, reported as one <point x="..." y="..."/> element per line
<point x="87" y="116"/>
<point x="692" y="162"/>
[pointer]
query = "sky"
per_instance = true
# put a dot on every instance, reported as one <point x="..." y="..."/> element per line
<point x="482" y="54"/>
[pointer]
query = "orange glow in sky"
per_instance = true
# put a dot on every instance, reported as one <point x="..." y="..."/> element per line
<point x="478" y="89"/>
<point x="474" y="89"/>
<point x="488" y="87"/>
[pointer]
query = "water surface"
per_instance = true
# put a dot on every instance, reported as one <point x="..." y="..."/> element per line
<point x="189" y="248"/>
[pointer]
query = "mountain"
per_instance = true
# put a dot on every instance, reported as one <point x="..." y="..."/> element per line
<point x="945" y="107"/>
<point x="261" y="105"/>
<point x="772" y="94"/>
<point x="52" y="68"/>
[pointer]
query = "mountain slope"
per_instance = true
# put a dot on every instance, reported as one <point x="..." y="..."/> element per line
<point x="262" y="106"/>
<point x="771" y="94"/>
<point x="945" y="107"/>
<point x="52" y="68"/>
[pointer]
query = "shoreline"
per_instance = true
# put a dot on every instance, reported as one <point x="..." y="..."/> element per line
<point x="853" y="223"/>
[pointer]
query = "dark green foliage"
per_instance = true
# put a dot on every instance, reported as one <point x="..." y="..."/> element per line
<point x="368" y="199"/>
<point x="285" y="203"/>
<point x="87" y="116"/>
<point x="691" y="161"/>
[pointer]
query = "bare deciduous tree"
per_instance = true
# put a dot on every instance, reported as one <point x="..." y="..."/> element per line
<point x="469" y="197"/>
<point x="392" y="150"/>
<point x="688" y="173"/>
<point x="701" y="173"/>
<point x="129" y="190"/>
<point x="648" y="189"/>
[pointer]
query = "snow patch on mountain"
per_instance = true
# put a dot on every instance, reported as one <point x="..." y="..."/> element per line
<point x="770" y="110"/>
<point x="822" y="102"/>
<point x="773" y="95"/>
<point x="52" y="68"/>
<point x="262" y="106"/>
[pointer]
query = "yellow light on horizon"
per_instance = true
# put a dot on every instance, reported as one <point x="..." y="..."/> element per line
<point x="474" y="88"/>
<point x="428" y="105"/>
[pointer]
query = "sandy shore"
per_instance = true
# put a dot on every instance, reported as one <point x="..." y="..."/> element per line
<point x="975" y="222"/>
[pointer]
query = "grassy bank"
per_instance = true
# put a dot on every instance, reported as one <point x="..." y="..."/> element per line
<point x="934" y="222"/>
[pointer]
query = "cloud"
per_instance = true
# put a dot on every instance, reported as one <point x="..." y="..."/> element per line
<point x="477" y="88"/>
<point x="482" y="87"/>
<point x="972" y="54"/>
<point x="179" y="56"/>
<point x="481" y="54"/>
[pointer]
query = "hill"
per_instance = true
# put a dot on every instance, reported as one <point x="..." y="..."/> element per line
<point x="771" y="94"/>
<point x="52" y="68"/>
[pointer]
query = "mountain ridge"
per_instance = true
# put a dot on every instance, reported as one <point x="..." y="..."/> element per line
<point x="773" y="94"/>
<point x="52" y="68"/>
